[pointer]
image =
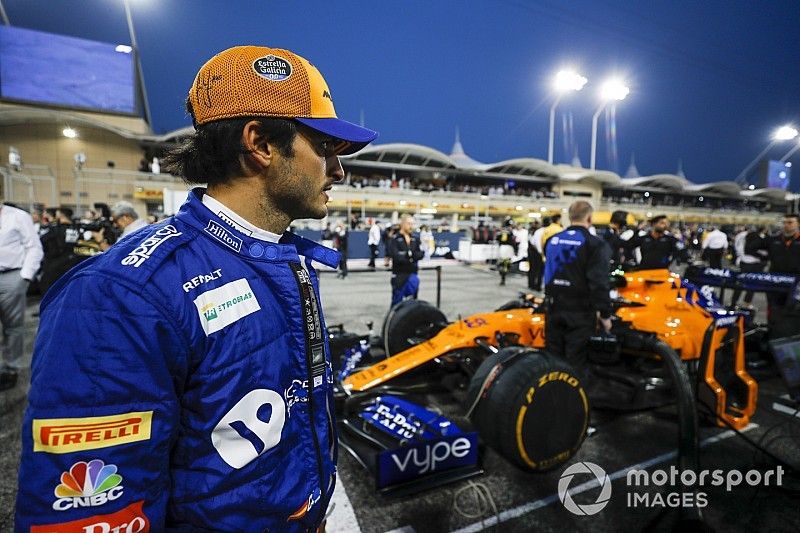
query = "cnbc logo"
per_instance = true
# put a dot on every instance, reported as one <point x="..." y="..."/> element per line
<point x="88" y="485"/>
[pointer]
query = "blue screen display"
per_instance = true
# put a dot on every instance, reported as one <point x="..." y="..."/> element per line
<point x="65" y="71"/>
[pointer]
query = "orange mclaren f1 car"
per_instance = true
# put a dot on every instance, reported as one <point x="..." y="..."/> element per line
<point x="672" y="342"/>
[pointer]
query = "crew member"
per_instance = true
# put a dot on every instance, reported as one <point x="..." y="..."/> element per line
<point x="181" y="379"/>
<point x="613" y="237"/>
<point x="784" y="258"/>
<point x="576" y="282"/>
<point x="20" y="256"/>
<point x="405" y="251"/>
<point x="658" y="248"/>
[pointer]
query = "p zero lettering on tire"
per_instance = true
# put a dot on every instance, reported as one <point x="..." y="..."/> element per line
<point x="531" y="407"/>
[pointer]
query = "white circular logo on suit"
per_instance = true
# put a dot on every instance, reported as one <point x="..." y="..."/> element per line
<point x="273" y="68"/>
<point x="586" y="509"/>
<point x="554" y="240"/>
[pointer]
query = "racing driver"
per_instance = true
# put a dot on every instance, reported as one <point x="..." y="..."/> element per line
<point x="181" y="380"/>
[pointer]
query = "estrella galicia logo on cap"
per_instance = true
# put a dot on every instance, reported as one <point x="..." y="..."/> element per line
<point x="273" y="68"/>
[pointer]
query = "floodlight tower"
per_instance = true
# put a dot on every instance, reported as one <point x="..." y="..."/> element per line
<point x="784" y="133"/>
<point x="138" y="63"/>
<point x="610" y="91"/>
<point x="565" y="81"/>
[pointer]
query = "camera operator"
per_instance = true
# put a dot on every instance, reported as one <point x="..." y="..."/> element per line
<point x="126" y="220"/>
<point x="58" y="243"/>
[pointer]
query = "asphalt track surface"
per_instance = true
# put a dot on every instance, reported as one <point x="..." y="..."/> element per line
<point x="513" y="500"/>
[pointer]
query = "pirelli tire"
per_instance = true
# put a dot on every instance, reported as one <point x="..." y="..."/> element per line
<point x="530" y="407"/>
<point x="410" y="322"/>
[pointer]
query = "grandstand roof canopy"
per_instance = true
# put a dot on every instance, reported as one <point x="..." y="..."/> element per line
<point x="668" y="182"/>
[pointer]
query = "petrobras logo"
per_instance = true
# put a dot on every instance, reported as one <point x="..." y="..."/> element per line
<point x="88" y="485"/>
<point x="148" y="246"/>
<point x="224" y="236"/>
<point x="67" y="435"/>
<point x="272" y="68"/>
<point x="221" y="307"/>
<point x="130" y="519"/>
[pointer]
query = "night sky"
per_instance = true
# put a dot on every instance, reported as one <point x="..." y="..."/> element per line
<point x="710" y="80"/>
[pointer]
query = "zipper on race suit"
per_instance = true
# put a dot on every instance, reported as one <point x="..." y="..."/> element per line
<point x="315" y="359"/>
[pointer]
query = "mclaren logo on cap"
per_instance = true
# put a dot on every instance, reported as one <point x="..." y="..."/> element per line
<point x="273" y="68"/>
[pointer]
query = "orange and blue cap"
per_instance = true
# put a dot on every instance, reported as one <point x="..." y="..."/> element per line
<point x="256" y="81"/>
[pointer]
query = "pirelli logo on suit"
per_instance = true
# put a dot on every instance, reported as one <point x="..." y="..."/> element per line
<point x="66" y="435"/>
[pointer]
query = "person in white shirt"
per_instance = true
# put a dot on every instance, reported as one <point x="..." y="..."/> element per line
<point x="20" y="256"/>
<point x="373" y="241"/>
<point x="714" y="246"/>
<point x="126" y="218"/>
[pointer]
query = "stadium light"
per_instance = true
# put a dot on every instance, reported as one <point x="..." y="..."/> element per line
<point x="69" y="133"/>
<point x="783" y="133"/>
<point x="564" y="82"/>
<point x="612" y="90"/>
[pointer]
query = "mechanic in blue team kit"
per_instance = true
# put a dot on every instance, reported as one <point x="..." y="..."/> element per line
<point x="405" y="251"/>
<point x="181" y="380"/>
<point x="576" y="279"/>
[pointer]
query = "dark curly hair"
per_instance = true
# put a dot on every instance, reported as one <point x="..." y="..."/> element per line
<point x="212" y="154"/>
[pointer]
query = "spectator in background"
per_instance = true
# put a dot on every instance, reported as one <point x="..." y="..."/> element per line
<point x="388" y="235"/>
<point x="535" y="262"/>
<point x="553" y="228"/>
<point x="714" y="245"/>
<point x="507" y="244"/>
<point x="126" y="218"/>
<point x="751" y="256"/>
<point x="20" y="256"/>
<point x="426" y="241"/>
<point x="340" y="243"/>
<point x="373" y="241"/>
<point x="406" y="254"/>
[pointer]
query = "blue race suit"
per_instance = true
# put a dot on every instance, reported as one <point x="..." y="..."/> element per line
<point x="181" y="381"/>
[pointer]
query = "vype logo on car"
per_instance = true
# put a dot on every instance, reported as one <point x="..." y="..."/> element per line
<point x="427" y="457"/>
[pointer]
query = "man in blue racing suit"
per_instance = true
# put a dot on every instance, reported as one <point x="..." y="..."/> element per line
<point x="181" y="380"/>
